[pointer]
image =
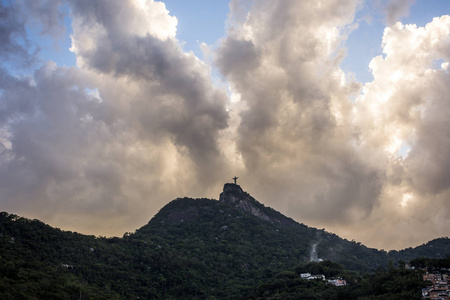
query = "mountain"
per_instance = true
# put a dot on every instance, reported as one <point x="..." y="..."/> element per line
<point x="233" y="195"/>
<point x="192" y="248"/>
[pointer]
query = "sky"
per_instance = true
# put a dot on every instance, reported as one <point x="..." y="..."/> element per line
<point x="335" y="113"/>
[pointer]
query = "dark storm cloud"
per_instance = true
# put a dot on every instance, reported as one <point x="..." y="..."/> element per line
<point x="13" y="40"/>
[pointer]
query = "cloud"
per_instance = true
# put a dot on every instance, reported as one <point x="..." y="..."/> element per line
<point x="395" y="10"/>
<point x="13" y="40"/>
<point x="65" y="155"/>
<point x="46" y="14"/>
<point x="133" y="126"/>
<point x="283" y="61"/>
<point x="405" y="107"/>
<point x="318" y="156"/>
<point x="181" y="99"/>
<point x="101" y="146"/>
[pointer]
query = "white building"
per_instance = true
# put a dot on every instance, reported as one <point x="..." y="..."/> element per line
<point x="337" y="282"/>
<point x="308" y="276"/>
<point x="305" y="275"/>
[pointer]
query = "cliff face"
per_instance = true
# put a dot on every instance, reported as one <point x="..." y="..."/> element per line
<point x="233" y="195"/>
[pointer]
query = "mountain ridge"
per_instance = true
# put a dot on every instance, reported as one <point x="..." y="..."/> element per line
<point x="198" y="247"/>
<point x="326" y="245"/>
<point x="234" y="195"/>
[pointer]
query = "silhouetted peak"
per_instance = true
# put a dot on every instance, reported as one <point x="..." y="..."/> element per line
<point x="234" y="195"/>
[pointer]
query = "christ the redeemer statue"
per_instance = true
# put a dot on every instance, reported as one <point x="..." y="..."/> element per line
<point x="235" y="179"/>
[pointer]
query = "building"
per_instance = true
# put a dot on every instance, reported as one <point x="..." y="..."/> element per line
<point x="305" y="275"/>
<point x="308" y="276"/>
<point x="337" y="282"/>
<point x="439" y="288"/>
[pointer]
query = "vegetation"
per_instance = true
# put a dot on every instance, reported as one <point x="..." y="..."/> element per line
<point x="383" y="284"/>
<point x="432" y="264"/>
<point x="198" y="249"/>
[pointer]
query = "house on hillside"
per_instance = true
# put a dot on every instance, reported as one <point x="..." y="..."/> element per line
<point x="337" y="282"/>
<point x="308" y="276"/>
<point x="440" y="288"/>
<point x="319" y="277"/>
<point x="305" y="275"/>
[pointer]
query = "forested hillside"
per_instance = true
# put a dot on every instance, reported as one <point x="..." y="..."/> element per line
<point x="196" y="249"/>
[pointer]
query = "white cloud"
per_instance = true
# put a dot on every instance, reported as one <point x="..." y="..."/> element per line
<point x="406" y="104"/>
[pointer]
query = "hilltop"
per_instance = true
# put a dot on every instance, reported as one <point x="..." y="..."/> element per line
<point x="192" y="248"/>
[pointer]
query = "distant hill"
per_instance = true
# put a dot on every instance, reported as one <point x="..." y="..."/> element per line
<point x="192" y="248"/>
